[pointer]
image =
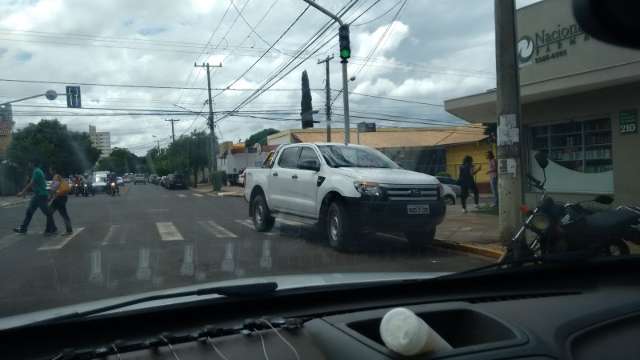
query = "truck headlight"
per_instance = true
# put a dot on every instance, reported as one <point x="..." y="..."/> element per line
<point x="368" y="188"/>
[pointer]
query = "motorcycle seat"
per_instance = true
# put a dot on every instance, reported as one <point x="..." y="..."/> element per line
<point x="610" y="221"/>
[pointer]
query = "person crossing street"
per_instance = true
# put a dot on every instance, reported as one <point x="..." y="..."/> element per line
<point x="59" y="190"/>
<point x="39" y="200"/>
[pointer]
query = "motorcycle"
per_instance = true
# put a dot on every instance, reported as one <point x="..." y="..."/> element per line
<point x="555" y="228"/>
<point x="113" y="188"/>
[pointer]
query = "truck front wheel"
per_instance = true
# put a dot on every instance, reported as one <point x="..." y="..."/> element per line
<point x="338" y="226"/>
<point x="262" y="219"/>
<point x="420" y="238"/>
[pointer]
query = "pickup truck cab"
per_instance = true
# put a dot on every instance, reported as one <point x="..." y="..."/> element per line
<point x="345" y="190"/>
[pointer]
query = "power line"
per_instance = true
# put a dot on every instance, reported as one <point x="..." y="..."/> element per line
<point x="375" y="18"/>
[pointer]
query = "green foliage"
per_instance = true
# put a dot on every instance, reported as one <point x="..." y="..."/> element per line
<point x="260" y="137"/>
<point x="187" y="155"/>
<point x="52" y="144"/>
<point x="121" y="161"/>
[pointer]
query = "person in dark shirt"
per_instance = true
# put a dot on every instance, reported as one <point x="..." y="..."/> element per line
<point x="468" y="182"/>
<point x="39" y="200"/>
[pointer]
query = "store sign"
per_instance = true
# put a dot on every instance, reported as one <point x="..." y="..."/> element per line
<point x="628" y="121"/>
<point x="546" y="45"/>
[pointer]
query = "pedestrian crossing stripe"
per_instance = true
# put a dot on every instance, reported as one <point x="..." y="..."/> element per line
<point x="217" y="230"/>
<point x="8" y="240"/>
<point x="59" y="243"/>
<point x="108" y="239"/>
<point x="248" y="223"/>
<point x="168" y="232"/>
<point x="182" y="195"/>
<point x="197" y="195"/>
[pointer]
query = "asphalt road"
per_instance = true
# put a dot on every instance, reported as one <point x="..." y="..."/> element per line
<point x="149" y="238"/>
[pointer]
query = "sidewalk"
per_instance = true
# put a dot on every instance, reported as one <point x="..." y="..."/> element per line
<point x="236" y="191"/>
<point x="474" y="232"/>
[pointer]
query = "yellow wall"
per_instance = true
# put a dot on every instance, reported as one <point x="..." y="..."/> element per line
<point x="478" y="152"/>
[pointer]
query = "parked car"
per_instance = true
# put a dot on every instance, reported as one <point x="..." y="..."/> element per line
<point x="175" y="181"/>
<point x="448" y="195"/>
<point x="451" y="182"/>
<point x="163" y="181"/>
<point x="345" y="190"/>
<point x="139" y="179"/>
<point x="120" y="181"/>
<point x="154" y="179"/>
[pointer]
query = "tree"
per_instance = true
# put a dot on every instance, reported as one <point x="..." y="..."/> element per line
<point x="260" y="137"/>
<point x="51" y="143"/>
<point x="188" y="154"/>
<point x="306" y="107"/>
<point x="491" y="129"/>
<point x="121" y="161"/>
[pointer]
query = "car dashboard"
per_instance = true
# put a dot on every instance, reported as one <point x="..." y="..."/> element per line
<point x="513" y="316"/>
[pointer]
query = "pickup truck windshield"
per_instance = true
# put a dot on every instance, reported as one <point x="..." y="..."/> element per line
<point x="351" y="156"/>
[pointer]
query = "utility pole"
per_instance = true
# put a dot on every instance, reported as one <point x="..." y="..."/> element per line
<point x="510" y="153"/>
<point x="213" y="164"/>
<point x="173" y="132"/>
<point x="345" y="53"/>
<point x="328" y="94"/>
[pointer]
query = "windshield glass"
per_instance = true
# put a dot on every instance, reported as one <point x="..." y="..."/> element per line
<point x="351" y="156"/>
<point x="151" y="146"/>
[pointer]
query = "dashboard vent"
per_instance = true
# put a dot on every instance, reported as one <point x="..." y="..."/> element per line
<point x="512" y="297"/>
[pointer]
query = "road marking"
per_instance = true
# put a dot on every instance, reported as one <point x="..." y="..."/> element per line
<point x="248" y="223"/>
<point x="197" y="195"/>
<point x="289" y="222"/>
<point x="8" y="240"/>
<point x="108" y="239"/>
<point x="57" y="244"/>
<point x="168" y="232"/>
<point x="182" y="195"/>
<point x="212" y="194"/>
<point x="217" y="230"/>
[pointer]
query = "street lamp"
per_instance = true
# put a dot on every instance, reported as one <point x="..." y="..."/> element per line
<point x="345" y="53"/>
<point x="50" y="95"/>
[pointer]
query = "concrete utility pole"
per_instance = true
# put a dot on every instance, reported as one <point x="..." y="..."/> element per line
<point x="345" y="76"/>
<point x="173" y="132"/>
<point x="328" y="95"/>
<point x="213" y="164"/>
<point x="510" y="153"/>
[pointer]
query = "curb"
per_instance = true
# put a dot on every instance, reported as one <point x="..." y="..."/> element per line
<point x="473" y="249"/>
<point x="231" y="194"/>
<point x="12" y="203"/>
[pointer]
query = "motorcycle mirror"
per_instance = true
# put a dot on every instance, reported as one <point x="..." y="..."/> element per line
<point x="542" y="158"/>
<point x="604" y="199"/>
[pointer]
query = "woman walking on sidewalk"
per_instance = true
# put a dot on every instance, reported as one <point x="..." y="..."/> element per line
<point x="468" y="182"/>
<point x="59" y="190"/>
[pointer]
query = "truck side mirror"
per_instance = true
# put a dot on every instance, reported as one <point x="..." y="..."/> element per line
<point x="313" y="165"/>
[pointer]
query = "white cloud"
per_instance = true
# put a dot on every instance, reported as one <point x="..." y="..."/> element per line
<point x="32" y="15"/>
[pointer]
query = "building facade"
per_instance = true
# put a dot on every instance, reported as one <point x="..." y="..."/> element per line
<point x="101" y="140"/>
<point x="6" y="127"/>
<point x="579" y="102"/>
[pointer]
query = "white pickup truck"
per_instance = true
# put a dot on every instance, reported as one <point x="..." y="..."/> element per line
<point x="345" y="189"/>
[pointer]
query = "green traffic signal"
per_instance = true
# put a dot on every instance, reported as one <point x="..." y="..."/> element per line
<point x="345" y="53"/>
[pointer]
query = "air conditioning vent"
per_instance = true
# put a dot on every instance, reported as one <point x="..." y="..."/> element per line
<point x="512" y="297"/>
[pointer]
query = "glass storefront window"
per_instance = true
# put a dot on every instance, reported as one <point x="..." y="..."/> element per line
<point x="583" y="146"/>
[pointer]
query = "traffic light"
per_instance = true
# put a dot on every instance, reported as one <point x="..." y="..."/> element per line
<point x="345" y="46"/>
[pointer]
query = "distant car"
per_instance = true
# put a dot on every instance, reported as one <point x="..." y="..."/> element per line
<point x="139" y="179"/>
<point x="163" y="181"/>
<point x="453" y="183"/>
<point x="175" y="181"/>
<point x="120" y="181"/>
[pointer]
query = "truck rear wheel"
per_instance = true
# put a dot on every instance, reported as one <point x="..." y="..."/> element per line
<point x="420" y="238"/>
<point x="338" y="227"/>
<point x="262" y="219"/>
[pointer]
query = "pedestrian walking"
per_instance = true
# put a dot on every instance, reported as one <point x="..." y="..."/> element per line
<point x="59" y="191"/>
<point x="493" y="176"/>
<point x="467" y="182"/>
<point x="40" y="198"/>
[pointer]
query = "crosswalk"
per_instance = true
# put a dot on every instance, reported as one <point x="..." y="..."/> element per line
<point x="118" y="234"/>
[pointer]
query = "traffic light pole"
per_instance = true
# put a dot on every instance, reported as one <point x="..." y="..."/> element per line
<point x="213" y="163"/>
<point x="345" y="76"/>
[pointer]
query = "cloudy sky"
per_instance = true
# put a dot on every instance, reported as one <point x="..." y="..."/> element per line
<point x="423" y="51"/>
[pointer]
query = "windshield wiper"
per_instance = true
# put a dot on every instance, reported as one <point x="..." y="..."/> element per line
<point x="234" y="291"/>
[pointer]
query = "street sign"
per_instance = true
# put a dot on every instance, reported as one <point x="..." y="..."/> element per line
<point x="629" y="121"/>
<point x="73" y="97"/>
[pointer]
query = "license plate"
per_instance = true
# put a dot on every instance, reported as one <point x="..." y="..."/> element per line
<point x="417" y="209"/>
